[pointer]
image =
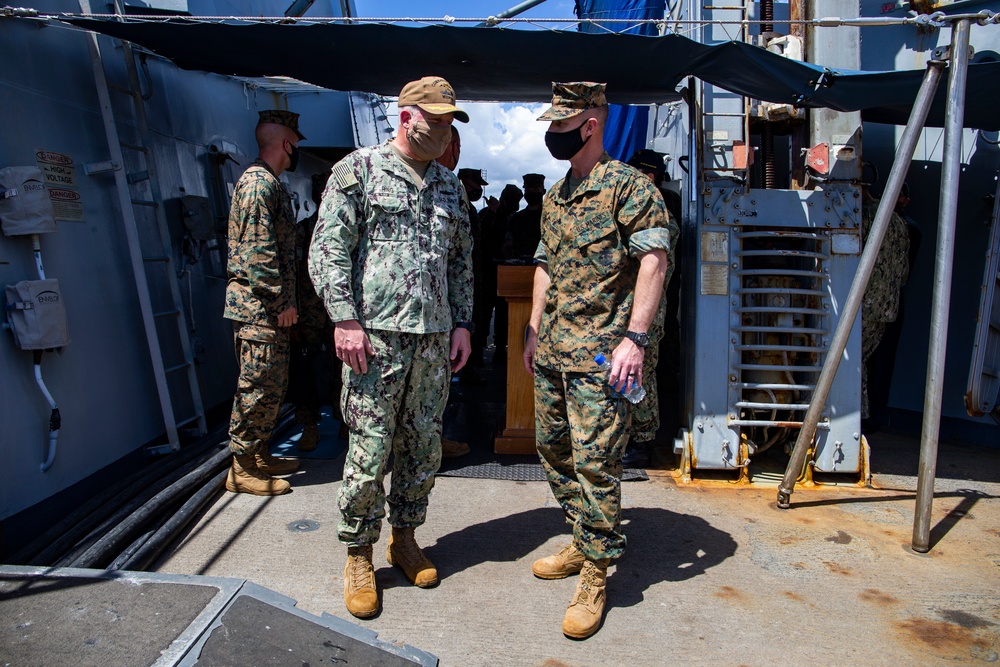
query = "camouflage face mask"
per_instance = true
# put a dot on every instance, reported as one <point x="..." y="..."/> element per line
<point x="427" y="142"/>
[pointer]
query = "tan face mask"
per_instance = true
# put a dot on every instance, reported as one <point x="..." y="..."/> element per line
<point x="428" y="143"/>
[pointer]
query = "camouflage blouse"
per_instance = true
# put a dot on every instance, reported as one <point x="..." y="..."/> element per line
<point x="261" y="249"/>
<point x="892" y="266"/>
<point x="312" y="312"/>
<point x="390" y="255"/>
<point x="592" y="239"/>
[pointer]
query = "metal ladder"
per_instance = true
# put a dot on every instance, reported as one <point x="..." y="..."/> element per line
<point x="982" y="395"/>
<point x="724" y="118"/>
<point x="150" y="248"/>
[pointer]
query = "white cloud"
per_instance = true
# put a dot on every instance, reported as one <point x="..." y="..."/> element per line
<point x="506" y="141"/>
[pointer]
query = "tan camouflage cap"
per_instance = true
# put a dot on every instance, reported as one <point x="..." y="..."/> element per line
<point x="432" y="94"/>
<point x="572" y="99"/>
<point x="287" y="118"/>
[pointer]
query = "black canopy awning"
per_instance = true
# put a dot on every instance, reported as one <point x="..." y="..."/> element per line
<point x="496" y="64"/>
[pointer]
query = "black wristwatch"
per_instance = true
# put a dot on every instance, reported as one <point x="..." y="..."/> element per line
<point x="466" y="325"/>
<point x="640" y="339"/>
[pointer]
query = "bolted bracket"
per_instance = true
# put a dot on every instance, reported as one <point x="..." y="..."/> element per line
<point x="943" y="53"/>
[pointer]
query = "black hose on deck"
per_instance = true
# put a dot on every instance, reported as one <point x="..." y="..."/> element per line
<point x="99" y="551"/>
<point x="166" y="534"/>
<point x="116" y="564"/>
<point x="182" y="515"/>
<point x="47" y="547"/>
<point x="65" y="547"/>
<point x="154" y="487"/>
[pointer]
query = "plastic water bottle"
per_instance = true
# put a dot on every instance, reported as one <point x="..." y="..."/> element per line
<point x="634" y="394"/>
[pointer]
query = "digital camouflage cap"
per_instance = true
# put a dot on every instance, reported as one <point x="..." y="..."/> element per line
<point x="572" y="99"/>
<point x="289" y="119"/>
<point x="432" y="94"/>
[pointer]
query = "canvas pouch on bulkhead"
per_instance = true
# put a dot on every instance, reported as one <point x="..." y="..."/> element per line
<point x="36" y="312"/>
<point x="25" y="207"/>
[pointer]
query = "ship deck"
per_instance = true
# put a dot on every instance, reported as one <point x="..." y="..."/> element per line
<point x="714" y="573"/>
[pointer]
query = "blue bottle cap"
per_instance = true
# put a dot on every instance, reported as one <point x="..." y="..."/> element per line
<point x="599" y="359"/>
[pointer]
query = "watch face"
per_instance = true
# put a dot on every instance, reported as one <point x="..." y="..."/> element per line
<point x="640" y="339"/>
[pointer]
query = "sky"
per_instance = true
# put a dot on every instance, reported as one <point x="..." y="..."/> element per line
<point x="503" y="139"/>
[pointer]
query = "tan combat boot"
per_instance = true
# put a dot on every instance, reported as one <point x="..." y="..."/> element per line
<point x="309" y="438"/>
<point x="568" y="561"/>
<point x="406" y="555"/>
<point x="272" y="465"/>
<point x="452" y="448"/>
<point x="360" y="593"/>
<point x="583" y="617"/>
<point x="246" y="477"/>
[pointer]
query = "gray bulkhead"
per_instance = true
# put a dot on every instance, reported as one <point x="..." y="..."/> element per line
<point x="900" y="47"/>
<point x="103" y="380"/>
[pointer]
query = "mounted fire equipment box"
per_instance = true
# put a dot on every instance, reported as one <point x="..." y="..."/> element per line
<point x="36" y="314"/>
<point x="25" y="207"/>
<point x="198" y="217"/>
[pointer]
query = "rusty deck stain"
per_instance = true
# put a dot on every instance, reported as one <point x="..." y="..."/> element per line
<point x="793" y="596"/>
<point x="729" y="593"/>
<point x="877" y="597"/>
<point x="837" y="568"/>
<point x="941" y="635"/>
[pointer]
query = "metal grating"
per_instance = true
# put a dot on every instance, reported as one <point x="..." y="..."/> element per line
<point x="781" y="320"/>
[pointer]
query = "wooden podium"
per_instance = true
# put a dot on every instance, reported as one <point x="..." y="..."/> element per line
<point x="514" y="283"/>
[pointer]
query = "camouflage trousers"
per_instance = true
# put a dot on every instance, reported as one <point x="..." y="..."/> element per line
<point x="397" y="406"/>
<point x="646" y="413"/>
<point x="871" y="336"/>
<point x="318" y="339"/>
<point x="262" y="353"/>
<point x="581" y="428"/>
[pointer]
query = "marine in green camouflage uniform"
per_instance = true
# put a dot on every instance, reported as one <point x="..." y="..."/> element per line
<point x="591" y="241"/>
<point x="261" y="286"/>
<point x="605" y="247"/>
<point x="880" y="304"/>
<point x="396" y="256"/>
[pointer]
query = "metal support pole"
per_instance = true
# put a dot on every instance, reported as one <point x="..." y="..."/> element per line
<point x="904" y="154"/>
<point x="958" y="64"/>
<point x="509" y="13"/>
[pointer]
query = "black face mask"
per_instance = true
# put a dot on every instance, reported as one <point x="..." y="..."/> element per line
<point x="475" y="194"/>
<point x="564" y="145"/>
<point x="533" y="197"/>
<point x="294" y="157"/>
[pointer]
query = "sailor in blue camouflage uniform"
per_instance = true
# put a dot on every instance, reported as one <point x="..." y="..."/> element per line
<point x="261" y="302"/>
<point x="880" y="305"/>
<point x="602" y="260"/>
<point x="391" y="258"/>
